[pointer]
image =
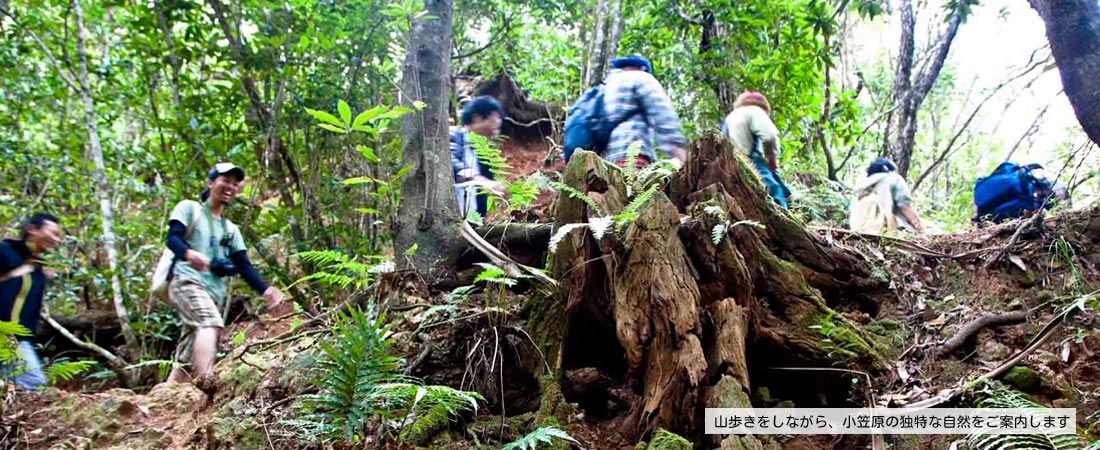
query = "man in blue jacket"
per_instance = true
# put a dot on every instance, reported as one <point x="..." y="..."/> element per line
<point x="22" y="287"/>
<point x="483" y="116"/>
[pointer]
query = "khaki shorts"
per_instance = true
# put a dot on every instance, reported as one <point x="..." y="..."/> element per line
<point x="196" y="309"/>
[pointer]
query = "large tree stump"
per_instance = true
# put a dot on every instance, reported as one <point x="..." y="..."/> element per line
<point x="658" y="322"/>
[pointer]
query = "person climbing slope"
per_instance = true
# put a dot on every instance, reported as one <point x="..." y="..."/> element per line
<point x="208" y="247"/>
<point x="750" y="128"/>
<point x="881" y="202"/>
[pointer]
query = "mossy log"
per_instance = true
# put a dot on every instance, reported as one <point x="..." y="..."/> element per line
<point x="673" y="319"/>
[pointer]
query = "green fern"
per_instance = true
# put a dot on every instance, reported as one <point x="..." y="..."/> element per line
<point x="532" y="439"/>
<point x="353" y="363"/>
<point x="423" y="407"/>
<point x="359" y="386"/>
<point x="996" y="396"/>
<point x="65" y="371"/>
<point x="9" y="331"/>
<point x="494" y="274"/>
<point x="339" y="269"/>
<point x="630" y="213"/>
<point x="524" y="192"/>
<point x="489" y="155"/>
<point x="574" y="193"/>
<point x="632" y="153"/>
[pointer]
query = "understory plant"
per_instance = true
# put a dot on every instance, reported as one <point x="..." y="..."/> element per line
<point x="360" y="389"/>
<point x="995" y="395"/>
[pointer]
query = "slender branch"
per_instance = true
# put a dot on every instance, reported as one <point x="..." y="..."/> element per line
<point x="683" y="15"/>
<point x="114" y="360"/>
<point x="65" y="75"/>
<point x="493" y="40"/>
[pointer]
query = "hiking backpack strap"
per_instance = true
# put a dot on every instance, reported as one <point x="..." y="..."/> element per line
<point x="186" y="235"/>
<point x="17" y="272"/>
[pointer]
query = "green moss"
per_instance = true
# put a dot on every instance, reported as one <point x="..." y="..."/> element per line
<point x="240" y="433"/>
<point x="1023" y="378"/>
<point x="546" y="324"/>
<point x="666" y="440"/>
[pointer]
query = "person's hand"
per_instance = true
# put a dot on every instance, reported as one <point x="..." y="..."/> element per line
<point x="272" y="297"/>
<point x="493" y="186"/>
<point x="50" y="273"/>
<point x="198" y="261"/>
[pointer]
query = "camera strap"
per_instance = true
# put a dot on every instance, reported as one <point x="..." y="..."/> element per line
<point x="215" y="241"/>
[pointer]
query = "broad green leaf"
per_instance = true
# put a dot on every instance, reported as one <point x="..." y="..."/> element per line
<point x="345" y="111"/>
<point x="368" y="153"/>
<point x="332" y="128"/>
<point x="326" y="118"/>
<point x="367" y="115"/>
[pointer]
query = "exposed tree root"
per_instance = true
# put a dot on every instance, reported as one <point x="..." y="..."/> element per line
<point x="973" y="327"/>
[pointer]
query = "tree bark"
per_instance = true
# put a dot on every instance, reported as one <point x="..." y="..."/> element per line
<point x="669" y="322"/>
<point x="1073" y="29"/>
<point x="103" y="188"/>
<point x="909" y="93"/>
<point x="605" y="42"/>
<point x="426" y="227"/>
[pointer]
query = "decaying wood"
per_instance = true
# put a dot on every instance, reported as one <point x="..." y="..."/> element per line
<point x="664" y="313"/>
<point x="973" y="327"/>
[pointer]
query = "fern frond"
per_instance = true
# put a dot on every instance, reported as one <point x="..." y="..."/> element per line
<point x="68" y="370"/>
<point x="494" y="274"/>
<point x="600" y="225"/>
<point x="489" y="155"/>
<point x="717" y="233"/>
<point x="997" y="396"/>
<point x="630" y="213"/>
<point x="531" y="440"/>
<point x="524" y="192"/>
<point x="562" y="232"/>
<point x="574" y="193"/>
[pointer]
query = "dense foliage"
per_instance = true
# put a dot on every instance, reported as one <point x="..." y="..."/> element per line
<point x="304" y="95"/>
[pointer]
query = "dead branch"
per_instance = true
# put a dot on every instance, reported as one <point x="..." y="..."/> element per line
<point x="904" y="244"/>
<point x="1034" y="220"/>
<point x="499" y="259"/>
<point x="973" y="327"/>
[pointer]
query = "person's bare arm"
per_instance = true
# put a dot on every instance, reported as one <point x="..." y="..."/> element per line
<point x="911" y="216"/>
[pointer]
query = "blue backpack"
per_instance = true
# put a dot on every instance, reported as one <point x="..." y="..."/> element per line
<point x="587" y="125"/>
<point x="1007" y="193"/>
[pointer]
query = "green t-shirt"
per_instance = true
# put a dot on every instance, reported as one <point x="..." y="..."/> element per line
<point x="207" y="237"/>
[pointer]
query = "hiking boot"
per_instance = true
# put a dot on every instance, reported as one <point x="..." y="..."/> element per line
<point x="207" y="383"/>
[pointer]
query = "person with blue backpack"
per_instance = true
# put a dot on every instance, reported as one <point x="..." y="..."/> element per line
<point x="1013" y="191"/>
<point x="629" y="108"/>
<point x="483" y="116"/>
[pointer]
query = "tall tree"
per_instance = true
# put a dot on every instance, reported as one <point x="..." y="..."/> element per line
<point x="426" y="226"/>
<point x="1073" y="29"/>
<point x="910" y="91"/>
<point x="102" y="188"/>
<point x="606" y="30"/>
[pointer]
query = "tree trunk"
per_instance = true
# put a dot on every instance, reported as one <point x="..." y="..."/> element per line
<point x="669" y="322"/>
<point x="909" y="93"/>
<point x="102" y="186"/>
<point x="426" y="227"/>
<point x="605" y="42"/>
<point x="1073" y="29"/>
